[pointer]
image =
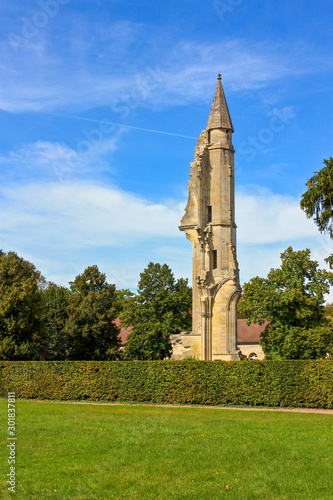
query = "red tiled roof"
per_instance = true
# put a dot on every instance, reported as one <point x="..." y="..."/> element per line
<point x="245" y="333"/>
<point x="124" y="332"/>
<point x="250" y="333"/>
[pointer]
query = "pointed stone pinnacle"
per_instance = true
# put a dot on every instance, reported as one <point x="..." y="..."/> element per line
<point x="219" y="116"/>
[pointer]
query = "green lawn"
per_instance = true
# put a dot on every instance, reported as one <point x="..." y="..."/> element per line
<point x="93" y="452"/>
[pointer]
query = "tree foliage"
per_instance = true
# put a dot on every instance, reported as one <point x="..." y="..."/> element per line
<point x="329" y="310"/>
<point x="92" y="308"/>
<point x="20" y="308"/>
<point x="40" y="320"/>
<point x="317" y="201"/>
<point x="54" y="303"/>
<point x="161" y="307"/>
<point x="122" y="297"/>
<point x="291" y="298"/>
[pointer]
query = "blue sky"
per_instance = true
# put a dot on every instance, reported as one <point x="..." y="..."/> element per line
<point x="77" y="191"/>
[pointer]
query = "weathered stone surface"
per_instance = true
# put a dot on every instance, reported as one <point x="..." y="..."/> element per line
<point x="209" y="223"/>
<point x="251" y="351"/>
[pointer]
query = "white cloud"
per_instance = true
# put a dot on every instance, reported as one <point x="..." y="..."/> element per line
<point x="40" y="153"/>
<point x="264" y="217"/>
<point x="54" y="160"/>
<point x="79" y="74"/>
<point x="267" y="224"/>
<point x="81" y="215"/>
<point x="84" y="214"/>
<point x="64" y="226"/>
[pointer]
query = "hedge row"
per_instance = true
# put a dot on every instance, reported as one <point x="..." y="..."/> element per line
<point x="265" y="383"/>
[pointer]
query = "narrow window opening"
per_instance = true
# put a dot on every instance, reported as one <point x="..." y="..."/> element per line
<point x="209" y="214"/>
<point x="214" y="258"/>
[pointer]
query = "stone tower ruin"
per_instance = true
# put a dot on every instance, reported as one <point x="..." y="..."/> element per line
<point x="209" y="223"/>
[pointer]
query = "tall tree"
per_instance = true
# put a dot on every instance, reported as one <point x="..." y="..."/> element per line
<point x="92" y="308"/>
<point x="55" y="301"/>
<point x="21" y="334"/>
<point x="291" y="298"/>
<point x="317" y="201"/>
<point x="161" y="307"/>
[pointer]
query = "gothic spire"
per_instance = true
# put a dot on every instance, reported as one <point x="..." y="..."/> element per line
<point x="219" y="116"/>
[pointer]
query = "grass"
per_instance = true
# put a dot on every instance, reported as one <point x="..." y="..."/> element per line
<point x="92" y="452"/>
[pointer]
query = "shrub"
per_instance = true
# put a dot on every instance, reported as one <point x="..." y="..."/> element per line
<point x="267" y="383"/>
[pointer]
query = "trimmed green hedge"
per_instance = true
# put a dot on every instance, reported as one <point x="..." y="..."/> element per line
<point x="259" y="383"/>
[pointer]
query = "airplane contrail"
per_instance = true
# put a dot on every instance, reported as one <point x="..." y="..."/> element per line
<point x="121" y="125"/>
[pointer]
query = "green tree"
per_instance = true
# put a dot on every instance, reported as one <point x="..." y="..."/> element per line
<point x="317" y="201"/>
<point x="55" y="301"/>
<point x="92" y="308"/>
<point x="20" y="308"/>
<point x="329" y="310"/>
<point x="291" y="298"/>
<point x="161" y="307"/>
<point x="122" y="297"/>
